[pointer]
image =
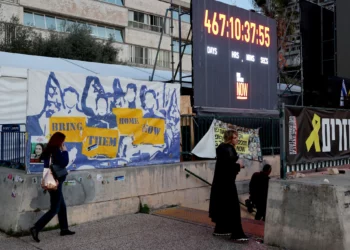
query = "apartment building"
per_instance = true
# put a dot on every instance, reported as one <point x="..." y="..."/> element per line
<point x="136" y="25"/>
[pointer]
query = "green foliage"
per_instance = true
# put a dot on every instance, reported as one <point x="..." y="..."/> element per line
<point x="50" y="228"/>
<point x="76" y="44"/>
<point x="272" y="8"/>
<point x="144" y="209"/>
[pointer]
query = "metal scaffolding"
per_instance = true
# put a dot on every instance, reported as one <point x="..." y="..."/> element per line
<point x="295" y="72"/>
<point x="182" y="45"/>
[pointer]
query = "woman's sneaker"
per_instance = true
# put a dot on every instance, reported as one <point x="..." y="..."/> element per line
<point x="243" y="239"/>
<point x="222" y="234"/>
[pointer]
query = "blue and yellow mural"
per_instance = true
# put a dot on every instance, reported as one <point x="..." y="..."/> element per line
<point x="109" y="122"/>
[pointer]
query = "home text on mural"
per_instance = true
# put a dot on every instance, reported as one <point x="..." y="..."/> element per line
<point x="129" y="121"/>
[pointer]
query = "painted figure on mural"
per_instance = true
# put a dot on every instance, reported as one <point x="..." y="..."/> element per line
<point x="53" y="104"/>
<point x="92" y="90"/>
<point x="72" y="103"/>
<point x="130" y="95"/>
<point x="127" y="149"/>
<point x="173" y="119"/>
<point x="96" y="105"/>
<point x="150" y="104"/>
<point x="125" y="99"/>
<point x="95" y="102"/>
<point x="103" y="117"/>
<point x="118" y="94"/>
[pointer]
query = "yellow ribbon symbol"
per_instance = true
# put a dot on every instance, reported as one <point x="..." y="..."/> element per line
<point x="313" y="138"/>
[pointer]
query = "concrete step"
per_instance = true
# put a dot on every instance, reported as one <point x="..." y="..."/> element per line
<point x="200" y="217"/>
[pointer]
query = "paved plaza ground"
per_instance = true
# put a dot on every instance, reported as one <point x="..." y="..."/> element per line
<point x="136" y="231"/>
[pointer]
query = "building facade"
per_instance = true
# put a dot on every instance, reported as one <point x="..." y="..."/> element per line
<point x="136" y="25"/>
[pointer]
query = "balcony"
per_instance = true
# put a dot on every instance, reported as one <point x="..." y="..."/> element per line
<point x="9" y="1"/>
<point x="144" y="26"/>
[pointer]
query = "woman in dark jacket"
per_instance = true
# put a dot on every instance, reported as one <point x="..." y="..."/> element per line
<point x="224" y="208"/>
<point x="57" y="151"/>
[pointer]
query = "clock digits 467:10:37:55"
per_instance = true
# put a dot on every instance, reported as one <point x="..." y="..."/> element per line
<point x="234" y="28"/>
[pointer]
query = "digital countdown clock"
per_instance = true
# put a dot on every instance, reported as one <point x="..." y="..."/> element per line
<point x="234" y="57"/>
<point x="237" y="29"/>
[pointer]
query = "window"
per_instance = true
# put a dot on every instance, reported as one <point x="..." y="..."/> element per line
<point x="156" y="23"/>
<point x="188" y="49"/>
<point x="94" y="30"/>
<point x="144" y="21"/>
<point x="64" y="25"/>
<point x="147" y="56"/>
<point x="184" y="17"/>
<point x="70" y="24"/>
<point x="118" y="36"/>
<point x="163" y="59"/>
<point x="101" y="32"/>
<point x="28" y="19"/>
<point x="139" y="17"/>
<point x="140" y="55"/>
<point x="61" y="25"/>
<point x="50" y="23"/>
<point x="116" y="2"/>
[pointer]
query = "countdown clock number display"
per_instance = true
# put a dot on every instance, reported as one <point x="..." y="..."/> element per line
<point x="234" y="28"/>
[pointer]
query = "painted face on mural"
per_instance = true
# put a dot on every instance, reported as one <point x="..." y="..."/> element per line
<point x="119" y="102"/>
<point x="102" y="107"/>
<point x="70" y="99"/>
<point x="130" y="95"/>
<point x="51" y="109"/>
<point x="150" y="101"/>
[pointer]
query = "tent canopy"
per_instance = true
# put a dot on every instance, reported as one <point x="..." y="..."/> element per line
<point x="74" y="66"/>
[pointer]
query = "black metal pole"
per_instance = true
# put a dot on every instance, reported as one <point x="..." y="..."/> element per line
<point x="188" y="171"/>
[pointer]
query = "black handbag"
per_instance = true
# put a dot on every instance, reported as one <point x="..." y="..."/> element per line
<point x="58" y="171"/>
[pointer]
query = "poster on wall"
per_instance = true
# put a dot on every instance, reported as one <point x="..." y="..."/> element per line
<point x="248" y="147"/>
<point x="108" y="121"/>
<point x="314" y="135"/>
<point x="37" y="146"/>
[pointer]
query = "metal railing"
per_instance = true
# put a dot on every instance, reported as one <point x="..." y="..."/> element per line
<point x="208" y="183"/>
<point x="193" y="128"/>
<point x="12" y="146"/>
<point x="144" y="26"/>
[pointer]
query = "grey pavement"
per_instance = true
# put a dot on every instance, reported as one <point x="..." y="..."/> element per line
<point x="134" y="232"/>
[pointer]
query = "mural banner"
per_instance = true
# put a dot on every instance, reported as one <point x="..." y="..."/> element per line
<point x="248" y="141"/>
<point x="314" y="135"/>
<point x="108" y="121"/>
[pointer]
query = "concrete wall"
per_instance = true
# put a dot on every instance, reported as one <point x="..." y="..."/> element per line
<point x="155" y="7"/>
<point x="309" y="214"/>
<point x="89" y="198"/>
<point x="146" y="39"/>
<point x="8" y="10"/>
<point x="94" y="11"/>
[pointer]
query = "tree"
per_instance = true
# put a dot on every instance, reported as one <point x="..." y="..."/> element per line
<point x="77" y="43"/>
<point x="277" y="9"/>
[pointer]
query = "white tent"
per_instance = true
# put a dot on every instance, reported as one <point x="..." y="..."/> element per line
<point x="14" y="70"/>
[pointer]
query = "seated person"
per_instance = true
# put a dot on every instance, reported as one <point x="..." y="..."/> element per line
<point x="258" y="188"/>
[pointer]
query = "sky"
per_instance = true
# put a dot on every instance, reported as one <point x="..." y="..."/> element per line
<point x="245" y="4"/>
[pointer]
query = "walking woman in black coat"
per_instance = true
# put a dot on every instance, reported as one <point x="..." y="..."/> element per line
<point x="57" y="152"/>
<point x="224" y="208"/>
